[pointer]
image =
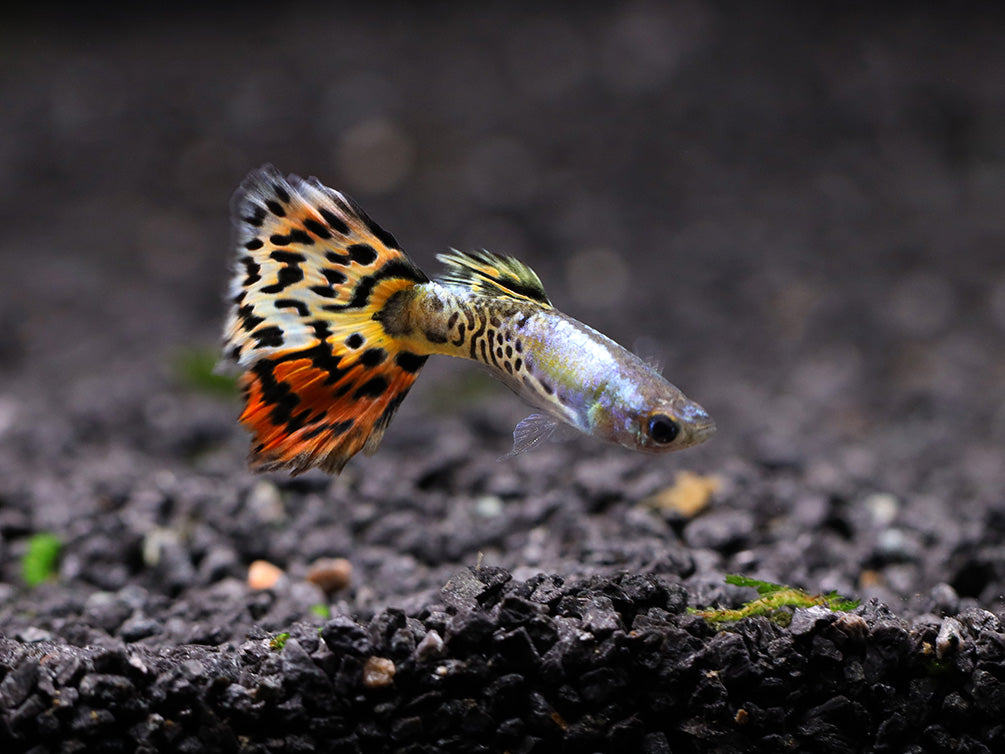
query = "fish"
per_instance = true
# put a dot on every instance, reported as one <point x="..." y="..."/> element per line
<point x="329" y="324"/>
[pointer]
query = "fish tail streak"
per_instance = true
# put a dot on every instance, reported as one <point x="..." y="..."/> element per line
<point x="315" y="285"/>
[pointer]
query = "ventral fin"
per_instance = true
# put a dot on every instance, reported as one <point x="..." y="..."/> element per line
<point x="491" y="274"/>
<point x="531" y="432"/>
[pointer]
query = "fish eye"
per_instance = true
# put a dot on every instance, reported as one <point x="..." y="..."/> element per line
<point x="663" y="429"/>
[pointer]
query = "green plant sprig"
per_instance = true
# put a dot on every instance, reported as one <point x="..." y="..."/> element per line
<point x="278" y="642"/>
<point x="773" y="601"/>
<point x="40" y="561"/>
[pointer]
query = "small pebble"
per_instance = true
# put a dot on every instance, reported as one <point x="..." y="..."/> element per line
<point x="944" y="599"/>
<point x="378" y="672"/>
<point x="430" y="646"/>
<point x="489" y="506"/>
<point x="883" y="507"/>
<point x="330" y="574"/>
<point x="263" y="575"/>
<point x="950" y="637"/>
<point x="33" y="634"/>
<point x="688" y="496"/>
<point x="265" y="502"/>
<point x="853" y="626"/>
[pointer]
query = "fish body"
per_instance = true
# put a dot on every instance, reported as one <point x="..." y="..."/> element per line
<point x="331" y="323"/>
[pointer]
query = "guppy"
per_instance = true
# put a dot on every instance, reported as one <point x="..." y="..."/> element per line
<point x="330" y="323"/>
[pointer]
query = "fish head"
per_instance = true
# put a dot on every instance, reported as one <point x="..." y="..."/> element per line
<point x="660" y="423"/>
<point x="673" y="425"/>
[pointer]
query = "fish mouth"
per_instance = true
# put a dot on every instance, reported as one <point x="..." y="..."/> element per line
<point x="699" y="425"/>
<point x="701" y="432"/>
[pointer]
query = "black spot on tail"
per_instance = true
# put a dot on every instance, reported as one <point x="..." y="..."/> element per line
<point x="372" y="388"/>
<point x="253" y="270"/>
<point x="300" y="236"/>
<point x="268" y="337"/>
<point x="410" y="362"/>
<point x="287" y="257"/>
<point x="373" y="356"/>
<point x="334" y="277"/>
<point x="287" y="276"/>
<point x="335" y="222"/>
<point x="281" y="193"/>
<point x="385" y="238"/>
<point x="257" y="216"/>
<point x="280" y="397"/>
<point x="321" y="329"/>
<point x="249" y="320"/>
<point x="321" y="356"/>
<point x="362" y="253"/>
<point x="290" y="303"/>
<point x="317" y="229"/>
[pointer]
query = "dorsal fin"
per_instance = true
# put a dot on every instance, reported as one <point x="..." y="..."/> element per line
<point x="493" y="275"/>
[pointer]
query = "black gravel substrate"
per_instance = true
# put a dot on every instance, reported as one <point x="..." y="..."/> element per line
<point x="608" y="664"/>
<point x="800" y="210"/>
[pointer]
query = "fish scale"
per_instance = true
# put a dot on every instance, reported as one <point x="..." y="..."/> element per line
<point x="330" y="323"/>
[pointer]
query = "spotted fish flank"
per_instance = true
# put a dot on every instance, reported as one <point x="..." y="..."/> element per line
<point x="331" y="323"/>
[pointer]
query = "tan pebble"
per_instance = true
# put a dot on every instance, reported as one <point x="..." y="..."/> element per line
<point x="331" y="574"/>
<point x="688" y="495"/>
<point x="869" y="578"/>
<point x="853" y="626"/>
<point x="263" y="575"/>
<point x="378" y="672"/>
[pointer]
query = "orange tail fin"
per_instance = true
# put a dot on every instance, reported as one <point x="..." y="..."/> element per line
<point x="322" y="378"/>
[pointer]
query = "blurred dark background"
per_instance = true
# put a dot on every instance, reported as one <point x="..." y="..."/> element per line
<point x="801" y="209"/>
